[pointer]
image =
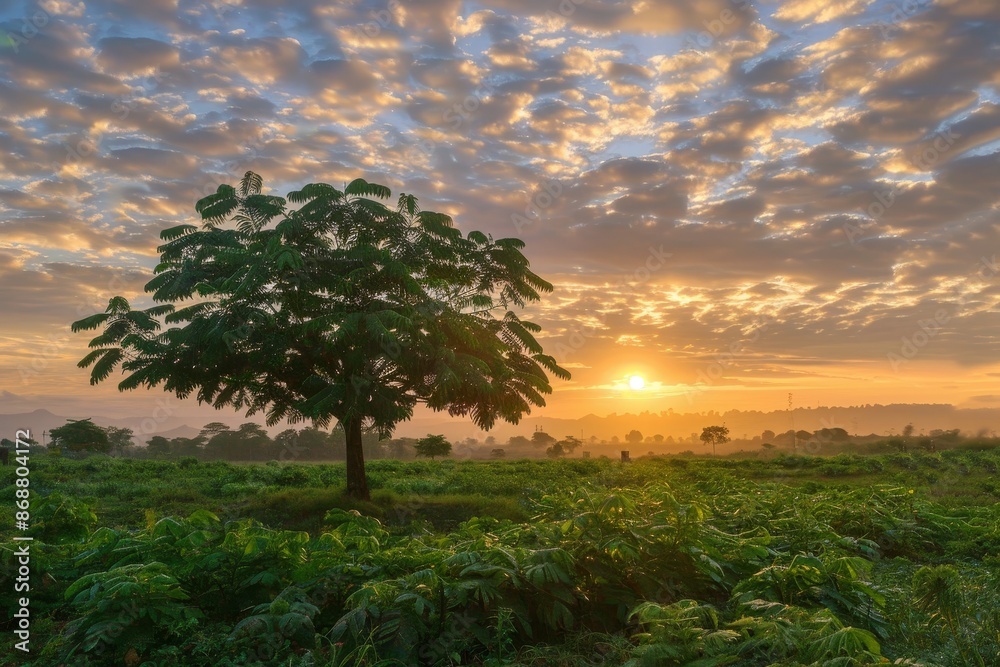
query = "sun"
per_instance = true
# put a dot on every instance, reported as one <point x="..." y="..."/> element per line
<point x="636" y="383"/>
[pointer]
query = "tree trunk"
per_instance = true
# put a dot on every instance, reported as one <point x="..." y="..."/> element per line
<point x="357" y="483"/>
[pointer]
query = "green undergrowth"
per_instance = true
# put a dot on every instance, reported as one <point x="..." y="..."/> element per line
<point x="682" y="561"/>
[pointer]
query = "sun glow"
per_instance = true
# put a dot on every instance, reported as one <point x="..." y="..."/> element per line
<point x="636" y="383"/>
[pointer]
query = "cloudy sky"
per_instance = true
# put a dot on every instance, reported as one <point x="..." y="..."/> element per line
<point x="735" y="199"/>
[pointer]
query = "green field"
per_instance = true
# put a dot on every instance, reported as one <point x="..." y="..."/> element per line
<point x="848" y="560"/>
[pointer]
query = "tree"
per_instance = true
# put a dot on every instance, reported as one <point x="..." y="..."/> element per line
<point x="158" y="446"/>
<point x="219" y="439"/>
<point x="715" y="435"/>
<point x="518" y="441"/>
<point x="309" y="443"/>
<point x="120" y="439"/>
<point x="835" y="434"/>
<point x="633" y="437"/>
<point x="400" y="448"/>
<point x="254" y="443"/>
<point x="564" y="447"/>
<point x="315" y="441"/>
<point x="908" y="431"/>
<point x="951" y="435"/>
<point x="80" y="435"/>
<point x="223" y="445"/>
<point x="288" y="444"/>
<point x="433" y="445"/>
<point x="249" y="442"/>
<point x="571" y="443"/>
<point x="768" y="435"/>
<point x="211" y="429"/>
<point x="542" y="439"/>
<point x="188" y="446"/>
<point x="342" y="309"/>
<point x="896" y="443"/>
<point x="11" y="444"/>
<point x="338" y="443"/>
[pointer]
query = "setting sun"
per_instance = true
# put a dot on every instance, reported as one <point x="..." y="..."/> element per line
<point x="635" y="382"/>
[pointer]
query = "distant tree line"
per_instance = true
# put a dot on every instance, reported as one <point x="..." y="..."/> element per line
<point x="250" y="442"/>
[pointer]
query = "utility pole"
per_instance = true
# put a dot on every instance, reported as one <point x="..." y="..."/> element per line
<point x="791" y="419"/>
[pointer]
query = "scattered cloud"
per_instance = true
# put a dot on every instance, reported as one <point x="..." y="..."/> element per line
<point x="827" y="168"/>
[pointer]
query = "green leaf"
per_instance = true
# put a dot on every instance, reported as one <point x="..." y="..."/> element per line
<point x="91" y="322"/>
<point x="251" y="184"/>
<point x="103" y="368"/>
<point x="361" y="187"/>
<point x="172" y="233"/>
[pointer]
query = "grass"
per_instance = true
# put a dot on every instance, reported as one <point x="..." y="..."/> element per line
<point x="445" y="493"/>
<point x="544" y="559"/>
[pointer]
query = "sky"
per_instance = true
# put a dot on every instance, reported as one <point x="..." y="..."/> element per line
<point x="736" y="200"/>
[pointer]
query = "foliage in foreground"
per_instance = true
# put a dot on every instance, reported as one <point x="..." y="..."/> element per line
<point x="705" y="570"/>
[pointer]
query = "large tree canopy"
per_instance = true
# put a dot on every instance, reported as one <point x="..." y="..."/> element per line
<point x="80" y="435"/>
<point x="340" y="309"/>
